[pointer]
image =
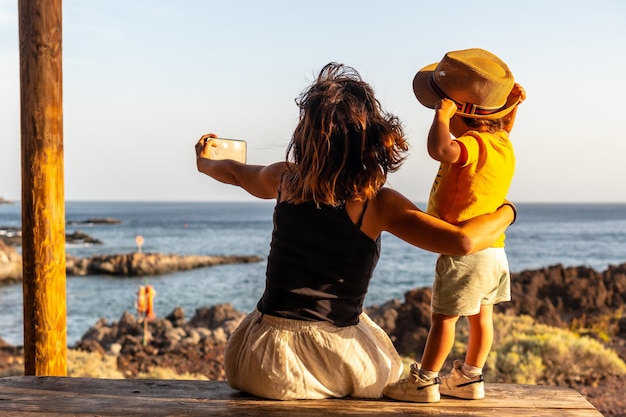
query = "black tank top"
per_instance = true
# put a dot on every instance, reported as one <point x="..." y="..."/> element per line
<point x="319" y="266"/>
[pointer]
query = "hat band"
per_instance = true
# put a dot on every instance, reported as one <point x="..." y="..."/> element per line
<point x="465" y="108"/>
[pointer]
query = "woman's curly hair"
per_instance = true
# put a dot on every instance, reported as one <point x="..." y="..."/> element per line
<point x="344" y="144"/>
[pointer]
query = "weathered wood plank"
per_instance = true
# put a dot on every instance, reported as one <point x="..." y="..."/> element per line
<point x="60" y="396"/>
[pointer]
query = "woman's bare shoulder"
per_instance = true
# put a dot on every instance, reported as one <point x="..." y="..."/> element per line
<point x="389" y="198"/>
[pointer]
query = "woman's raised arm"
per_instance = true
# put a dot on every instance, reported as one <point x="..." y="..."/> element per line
<point x="261" y="181"/>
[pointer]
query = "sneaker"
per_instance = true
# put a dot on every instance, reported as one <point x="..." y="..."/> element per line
<point x="458" y="385"/>
<point x="413" y="388"/>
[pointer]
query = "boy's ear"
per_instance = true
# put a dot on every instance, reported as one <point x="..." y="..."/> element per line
<point x="458" y="126"/>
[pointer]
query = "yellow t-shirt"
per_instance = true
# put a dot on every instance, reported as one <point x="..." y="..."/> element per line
<point x="478" y="185"/>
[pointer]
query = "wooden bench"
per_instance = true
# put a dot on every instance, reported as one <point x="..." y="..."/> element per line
<point x="62" y="396"/>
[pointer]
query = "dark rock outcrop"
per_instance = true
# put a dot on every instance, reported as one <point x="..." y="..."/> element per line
<point x="558" y="295"/>
<point x="141" y="264"/>
<point x="406" y="323"/>
<point x="12" y="236"/>
<point x="99" y="220"/>
<point x="130" y="264"/>
<point x="194" y="347"/>
<point x="78" y="237"/>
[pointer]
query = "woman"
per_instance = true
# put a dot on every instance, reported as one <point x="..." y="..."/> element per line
<point x="308" y="337"/>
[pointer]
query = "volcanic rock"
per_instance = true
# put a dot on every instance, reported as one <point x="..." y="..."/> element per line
<point x="141" y="264"/>
<point x="193" y="347"/>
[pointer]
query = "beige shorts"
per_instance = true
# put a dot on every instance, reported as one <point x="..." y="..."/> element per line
<point x="464" y="283"/>
<point x="287" y="359"/>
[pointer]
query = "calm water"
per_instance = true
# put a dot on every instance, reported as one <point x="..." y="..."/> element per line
<point x="545" y="234"/>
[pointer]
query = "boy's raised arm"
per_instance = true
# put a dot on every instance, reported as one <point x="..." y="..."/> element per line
<point x="441" y="147"/>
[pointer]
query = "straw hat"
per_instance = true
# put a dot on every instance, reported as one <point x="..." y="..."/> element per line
<point x="476" y="80"/>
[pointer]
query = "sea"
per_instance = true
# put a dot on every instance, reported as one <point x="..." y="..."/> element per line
<point x="592" y="235"/>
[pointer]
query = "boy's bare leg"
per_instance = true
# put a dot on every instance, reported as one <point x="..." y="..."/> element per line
<point x="466" y="380"/>
<point x="439" y="342"/>
<point x="480" y="337"/>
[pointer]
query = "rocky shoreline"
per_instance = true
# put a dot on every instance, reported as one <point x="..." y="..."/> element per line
<point x="578" y="299"/>
<point x="123" y="265"/>
<point x="142" y="264"/>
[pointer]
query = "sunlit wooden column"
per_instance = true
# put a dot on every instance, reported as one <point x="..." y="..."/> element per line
<point x="43" y="205"/>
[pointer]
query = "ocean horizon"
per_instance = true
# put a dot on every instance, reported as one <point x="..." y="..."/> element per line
<point x="545" y="234"/>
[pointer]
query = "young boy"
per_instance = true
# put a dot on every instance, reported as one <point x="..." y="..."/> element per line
<point x="475" y="99"/>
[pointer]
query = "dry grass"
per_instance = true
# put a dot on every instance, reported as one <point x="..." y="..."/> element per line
<point x="525" y="352"/>
<point x="82" y="364"/>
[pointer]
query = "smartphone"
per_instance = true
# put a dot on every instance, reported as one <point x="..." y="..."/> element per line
<point x="222" y="148"/>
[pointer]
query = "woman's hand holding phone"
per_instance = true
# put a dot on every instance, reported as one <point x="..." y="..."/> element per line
<point x="211" y="147"/>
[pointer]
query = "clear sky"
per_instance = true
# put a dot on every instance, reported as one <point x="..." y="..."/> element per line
<point x="143" y="80"/>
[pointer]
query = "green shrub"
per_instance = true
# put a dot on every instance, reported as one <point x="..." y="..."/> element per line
<point x="81" y="364"/>
<point x="525" y="352"/>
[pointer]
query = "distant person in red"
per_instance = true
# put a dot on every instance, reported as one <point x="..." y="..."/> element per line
<point x="475" y="99"/>
<point x="308" y="337"/>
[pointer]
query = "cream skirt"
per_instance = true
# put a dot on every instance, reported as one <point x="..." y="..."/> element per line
<point x="287" y="359"/>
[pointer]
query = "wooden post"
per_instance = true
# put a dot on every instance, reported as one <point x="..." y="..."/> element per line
<point x="43" y="200"/>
